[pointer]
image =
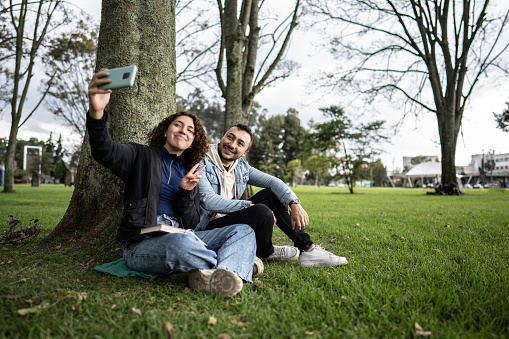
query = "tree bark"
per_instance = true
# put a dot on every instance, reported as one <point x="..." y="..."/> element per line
<point x="132" y="32"/>
<point x="234" y="42"/>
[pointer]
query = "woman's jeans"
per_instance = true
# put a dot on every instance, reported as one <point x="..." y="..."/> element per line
<point x="232" y="248"/>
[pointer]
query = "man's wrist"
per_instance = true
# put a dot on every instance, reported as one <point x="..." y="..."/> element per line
<point x="294" y="201"/>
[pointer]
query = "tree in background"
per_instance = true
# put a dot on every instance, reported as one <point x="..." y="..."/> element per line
<point x="502" y="119"/>
<point x="293" y="136"/>
<point x="240" y="39"/>
<point x="319" y="166"/>
<point x="429" y="54"/>
<point x="265" y="153"/>
<point x="141" y="33"/>
<point x="349" y="146"/>
<point x="71" y="60"/>
<point x="210" y="112"/>
<point x="29" y="24"/>
<point x="294" y="172"/>
<point x="378" y="174"/>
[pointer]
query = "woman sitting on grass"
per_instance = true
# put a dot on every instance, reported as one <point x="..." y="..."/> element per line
<point x="158" y="191"/>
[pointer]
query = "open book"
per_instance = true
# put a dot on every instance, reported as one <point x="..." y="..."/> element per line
<point x="162" y="229"/>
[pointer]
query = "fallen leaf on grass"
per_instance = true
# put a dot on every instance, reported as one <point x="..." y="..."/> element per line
<point x="366" y="239"/>
<point x="212" y="320"/>
<point x="136" y="310"/>
<point x="113" y="306"/>
<point x="345" y="297"/>
<point x="169" y="329"/>
<point x="447" y="225"/>
<point x="76" y="307"/>
<point x="42" y="306"/>
<point x="351" y="252"/>
<point x="186" y="290"/>
<point x="224" y="336"/>
<point x="419" y="332"/>
<point x="312" y="333"/>
<point x="332" y="240"/>
<point x="460" y="227"/>
<point x="238" y="322"/>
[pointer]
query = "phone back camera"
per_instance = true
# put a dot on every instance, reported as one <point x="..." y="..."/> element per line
<point x="126" y="75"/>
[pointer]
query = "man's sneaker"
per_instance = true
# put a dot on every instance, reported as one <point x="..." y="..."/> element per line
<point x="216" y="281"/>
<point x="317" y="256"/>
<point x="283" y="253"/>
<point x="257" y="267"/>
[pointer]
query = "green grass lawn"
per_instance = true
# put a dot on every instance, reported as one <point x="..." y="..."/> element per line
<point x="440" y="261"/>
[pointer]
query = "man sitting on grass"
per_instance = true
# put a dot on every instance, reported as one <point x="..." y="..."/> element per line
<point x="226" y="177"/>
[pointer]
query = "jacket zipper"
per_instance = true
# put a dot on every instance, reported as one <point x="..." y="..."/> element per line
<point x="171" y="167"/>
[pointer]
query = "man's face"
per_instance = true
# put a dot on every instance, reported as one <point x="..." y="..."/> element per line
<point x="234" y="144"/>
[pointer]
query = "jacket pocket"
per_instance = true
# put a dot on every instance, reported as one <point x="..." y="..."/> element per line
<point x="134" y="213"/>
<point x="242" y="180"/>
<point x="212" y="178"/>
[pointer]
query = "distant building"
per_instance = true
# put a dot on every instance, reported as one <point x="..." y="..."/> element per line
<point x="487" y="170"/>
<point x="409" y="162"/>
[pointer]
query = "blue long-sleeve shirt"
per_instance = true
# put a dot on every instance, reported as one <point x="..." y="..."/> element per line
<point x="173" y="172"/>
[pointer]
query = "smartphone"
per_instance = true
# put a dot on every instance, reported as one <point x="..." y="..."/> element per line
<point x="120" y="77"/>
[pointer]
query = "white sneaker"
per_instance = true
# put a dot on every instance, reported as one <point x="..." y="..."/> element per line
<point x="257" y="267"/>
<point x="283" y="253"/>
<point x="317" y="256"/>
<point x="216" y="281"/>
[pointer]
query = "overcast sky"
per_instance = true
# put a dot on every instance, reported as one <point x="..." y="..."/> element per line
<point x="416" y="137"/>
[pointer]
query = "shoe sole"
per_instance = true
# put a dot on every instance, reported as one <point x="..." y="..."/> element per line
<point x="257" y="267"/>
<point x="222" y="282"/>
<point x="321" y="264"/>
<point x="295" y="257"/>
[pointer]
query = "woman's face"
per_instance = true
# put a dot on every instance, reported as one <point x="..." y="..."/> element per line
<point x="180" y="135"/>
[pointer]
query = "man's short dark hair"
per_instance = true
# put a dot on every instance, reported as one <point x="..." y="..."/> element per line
<point x="244" y="128"/>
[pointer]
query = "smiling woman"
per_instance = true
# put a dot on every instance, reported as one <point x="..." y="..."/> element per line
<point x="159" y="192"/>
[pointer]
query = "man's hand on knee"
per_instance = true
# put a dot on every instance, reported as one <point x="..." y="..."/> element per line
<point x="299" y="217"/>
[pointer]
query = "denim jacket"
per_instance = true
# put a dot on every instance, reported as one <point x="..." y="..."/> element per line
<point x="212" y="202"/>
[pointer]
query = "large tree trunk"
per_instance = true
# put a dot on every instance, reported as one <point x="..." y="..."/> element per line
<point x="448" y="131"/>
<point x="9" y="158"/>
<point x="135" y="32"/>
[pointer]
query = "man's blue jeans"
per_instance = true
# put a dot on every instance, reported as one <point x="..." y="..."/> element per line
<point x="232" y="248"/>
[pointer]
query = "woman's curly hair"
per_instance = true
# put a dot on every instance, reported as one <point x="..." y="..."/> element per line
<point x="199" y="147"/>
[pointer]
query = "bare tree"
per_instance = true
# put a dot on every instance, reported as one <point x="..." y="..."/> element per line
<point x="429" y="54"/>
<point x="139" y="32"/>
<point x="240" y="39"/>
<point x="31" y="22"/>
<point x="71" y="58"/>
<point x="197" y="43"/>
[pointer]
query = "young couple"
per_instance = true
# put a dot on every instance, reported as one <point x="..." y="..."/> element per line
<point x="164" y="185"/>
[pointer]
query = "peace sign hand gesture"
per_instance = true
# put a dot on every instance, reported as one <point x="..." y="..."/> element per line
<point x="192" y="178"/>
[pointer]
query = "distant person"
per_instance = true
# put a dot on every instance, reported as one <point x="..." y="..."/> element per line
<point x="453" y="189"/>
<point x="227" y="174"/>
<point x="161" y="188"/>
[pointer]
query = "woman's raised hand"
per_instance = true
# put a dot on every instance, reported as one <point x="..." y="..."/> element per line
<point x="192" y="178"/>
<point x="98" y="98"/>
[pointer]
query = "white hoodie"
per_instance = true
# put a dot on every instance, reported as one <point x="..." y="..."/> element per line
<point x="227" y="184"/>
